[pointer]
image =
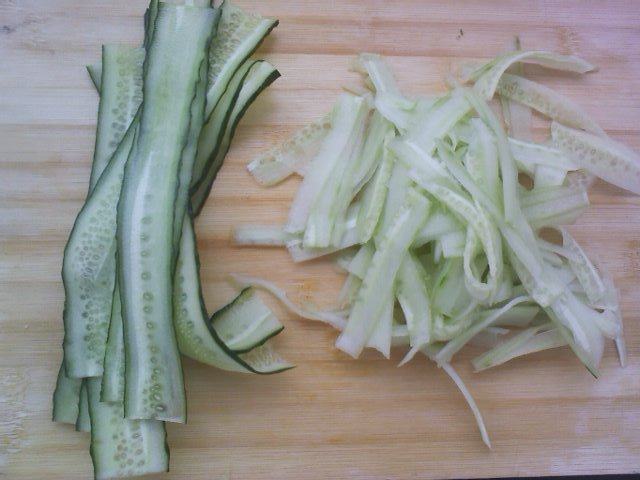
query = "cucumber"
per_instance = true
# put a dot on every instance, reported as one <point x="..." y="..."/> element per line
<point x="260" y="76"/>
<point x="113" y="378"/>
<point x="245" y="323"/>
<point x="83" y="422"/>
<point x="66" y="398"/>
<point x="120" y="97"/>
<point x="239" y="34"/>
<point x="214" y="128"/>
<point x="88" y="270"/>
<point x="196" y="336"/>
<point x="153" y="373"/>
<point x="120" y="447"/>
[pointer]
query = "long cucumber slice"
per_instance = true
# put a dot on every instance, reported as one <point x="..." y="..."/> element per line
<point x="88" y="270"/>
<point x="215" y="126"/>
<point x="260" y="76"/>
<point x="66" y="397"/>
<point x="154" y="386"/>
<point x="120" y="447"/>
<point x="196" y="336"/>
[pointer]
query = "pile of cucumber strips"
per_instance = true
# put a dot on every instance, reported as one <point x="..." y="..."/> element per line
<point x="133" y="300"/>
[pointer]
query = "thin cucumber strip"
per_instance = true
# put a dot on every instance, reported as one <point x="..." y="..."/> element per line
<point x="260" y="76"/>
<point x="83" y="422"/>
<point x="486" y="85"/>
<point x="380" y="338"/>
<point x="315" y="209"/>
<point x="154" y="386"/>
<point x="347" y="115"/>
<point x="453" y="346"/>
<point x="66" y="398"/>
<point x="613" y="162"/>
<point x="439" y="223"/>
<point x="214" y="128"/>
<point x="381" y="274"/>
<point x="399" y="183"/>
<point x="334" y="319"/>
<point x="563" y="210"/>
<point x="121" y="447"/>
<point x="88" y="270"/>
<point x="547" y="102"/>
<point x="519" y="316"/>
<point x="379" y="133"/>
<point x="291" y="156"/>
<point x="245" y="323"/>
<point x="113" y="377"/>
<point x="359" y="265"/>
<point x="120" y="97"/>
<point x="585" y="271"/>
<point x="238" y="35"/>
<point x="197" y="338"/>
<point x="95" y="74"/>
<point x="373" y="197"/>
<point x="413" y="296"/>
<point x="530" y="155"/>
<point x="261" y="235"/>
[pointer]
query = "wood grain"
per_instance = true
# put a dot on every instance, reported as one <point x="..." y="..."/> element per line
<point x="332" y="417"/>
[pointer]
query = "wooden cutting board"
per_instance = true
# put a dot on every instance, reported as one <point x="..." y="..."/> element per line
<point x="332" y="417"/>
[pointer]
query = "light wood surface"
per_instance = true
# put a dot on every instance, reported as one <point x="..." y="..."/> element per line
<point x="332" y="417"/>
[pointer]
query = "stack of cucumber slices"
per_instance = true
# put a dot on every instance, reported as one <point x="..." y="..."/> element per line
<point x="426" y="204"/>
<point x="133" y="300"/>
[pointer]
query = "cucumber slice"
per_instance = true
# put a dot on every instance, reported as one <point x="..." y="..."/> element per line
<point x="154" y="385"/>
<point x="113" y="379"/>
<point x="120" y="97"/>
<point x="196" y="336"/>
<point x="66" y="398"/>
<point x="245" y="323"/>
<point x="239" y="34"/>
<point x="83" y="422"/>
<point x="261" y="75"/>
<point x="88" y="270"/>
<point x="120" y="447"/>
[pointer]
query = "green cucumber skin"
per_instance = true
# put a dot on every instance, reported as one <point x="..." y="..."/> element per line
<point x="200" y="196"/>
<point x="121" y="447"/>
<point x="154" y="382"/>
